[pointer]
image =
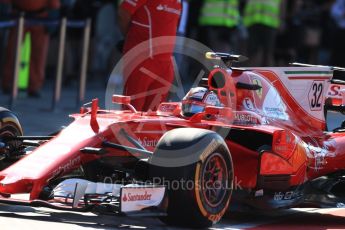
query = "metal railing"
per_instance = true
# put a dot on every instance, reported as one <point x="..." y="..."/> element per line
<point x="63" y="23"/>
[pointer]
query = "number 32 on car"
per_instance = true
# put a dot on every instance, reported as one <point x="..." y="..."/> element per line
<point x="316" y="95"/>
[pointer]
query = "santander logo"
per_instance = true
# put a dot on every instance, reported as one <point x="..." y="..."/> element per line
<point x="136" y="197"/>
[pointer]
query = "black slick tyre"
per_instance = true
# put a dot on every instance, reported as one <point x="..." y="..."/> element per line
<point x="196" y="167"/>
<point x="9" y="126"/>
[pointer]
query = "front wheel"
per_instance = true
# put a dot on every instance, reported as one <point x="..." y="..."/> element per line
<point x="196" y="167"/>
<point x="9" y="127"/>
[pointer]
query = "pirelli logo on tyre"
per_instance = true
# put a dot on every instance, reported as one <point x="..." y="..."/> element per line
<point x="209" y="149"/>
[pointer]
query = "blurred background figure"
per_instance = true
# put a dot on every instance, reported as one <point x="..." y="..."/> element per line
<point x="37" y="9"/>
<point x="313" y="22"/>
<point x="288" y="36"/>
<point x="192" y="26"/>
<point x="145" y="21"/>
<point x="338" y="46"/>
<point x="5" y="9"/>
<point x="180" y="59"/>
<point x="103" y="37"/>
<point x="263" y="19"/>
<point x="106" y="54"/>
<point x="218" y="21"/>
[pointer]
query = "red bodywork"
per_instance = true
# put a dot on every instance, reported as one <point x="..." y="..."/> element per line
<point x="285" y="114"/>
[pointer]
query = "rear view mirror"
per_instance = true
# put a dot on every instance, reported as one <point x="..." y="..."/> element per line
<point x="120" y="99"/>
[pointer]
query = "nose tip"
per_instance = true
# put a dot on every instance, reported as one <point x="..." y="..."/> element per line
<point x="14" y="184"/>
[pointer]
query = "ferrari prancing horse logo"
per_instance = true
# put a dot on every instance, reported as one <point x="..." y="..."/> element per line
<point x="259" y="91"/>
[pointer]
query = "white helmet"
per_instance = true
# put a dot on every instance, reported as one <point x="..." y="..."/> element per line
<point x="197" y="99"/>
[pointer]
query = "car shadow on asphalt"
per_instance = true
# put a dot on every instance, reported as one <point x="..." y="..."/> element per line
<point x="87" y="220"/>
<point x="283" y="219"/>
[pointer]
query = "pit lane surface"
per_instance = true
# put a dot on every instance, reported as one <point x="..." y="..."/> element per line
<point x="17" y="217"/>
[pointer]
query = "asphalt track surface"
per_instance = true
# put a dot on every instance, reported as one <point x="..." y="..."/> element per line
<point x="28" y="218"/>
<point x="38" y="119"/>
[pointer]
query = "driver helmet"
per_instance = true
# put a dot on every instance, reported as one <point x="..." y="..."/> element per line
<point x="197" y="99"/>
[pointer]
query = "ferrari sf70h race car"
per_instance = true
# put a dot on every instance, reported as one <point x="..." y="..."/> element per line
<point x="243" y="139"/>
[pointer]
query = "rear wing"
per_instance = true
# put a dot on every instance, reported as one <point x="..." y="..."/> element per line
<point x="335" y="97"/>
<point x="303" y="89"/>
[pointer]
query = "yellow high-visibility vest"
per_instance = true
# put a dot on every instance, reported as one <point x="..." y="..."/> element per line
<point x="219" y="13"/>
<point x="264" y="12"/>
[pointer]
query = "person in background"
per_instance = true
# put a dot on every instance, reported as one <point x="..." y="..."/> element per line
<point x="338" y="45"/>
<point x="77" y="10"/>
<point x="314" y="30"/>
<point x="5" y="8"/>
<point x="263" y="19"/>
<point x="194" y="8"/>
<point x="146" y="21"/>
<point x="218" y="21"/>
<point x="38" y="9"/>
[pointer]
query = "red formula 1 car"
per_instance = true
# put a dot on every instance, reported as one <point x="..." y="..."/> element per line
<point x="243" y="139"/>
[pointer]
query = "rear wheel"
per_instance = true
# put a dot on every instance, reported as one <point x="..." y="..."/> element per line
<point x="9" y="127"/>
<point x="196" y="167"/>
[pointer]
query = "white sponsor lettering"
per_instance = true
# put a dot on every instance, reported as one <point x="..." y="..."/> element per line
<point x="147" y="142"/>
<point x="248" y="104"/>
<point x="290" y="195"/>
<point x="212" y="99"/>
<point x="168" y="9"/>
<point x="132" y="2"/>
<point x="245" y="119"/>
<point x="273" y="105"/>
<point x="138" y="198"/>
<point x="334" y="91"/>
<point x="66" y="167"/>
<point x="167" y="108"/>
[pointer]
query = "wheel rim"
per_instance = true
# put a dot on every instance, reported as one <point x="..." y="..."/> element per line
<point x="10" y="145"/>
<point x="215" y="178"/>
<point x="3" y="134"/>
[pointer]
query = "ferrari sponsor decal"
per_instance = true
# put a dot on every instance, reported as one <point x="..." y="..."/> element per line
<point x="71" y="164"/>
<point x="295" y="93"/>
<point x="138" y="198"/>
<point x="243" y="118"/>
<point x="278" y="196"/>
<point x="335" y="91"/>
<point x="168" y="9"/>
<point x="273" y="105"/>
<point x="259" y="91"/>
<point x="248" y="104"/>
<point x="212" y="99"/>
<point x="315" y="96"/>
<point x="319" y="153"/>
<point x="167" y="108"/>
<point x="148" y="142"/>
